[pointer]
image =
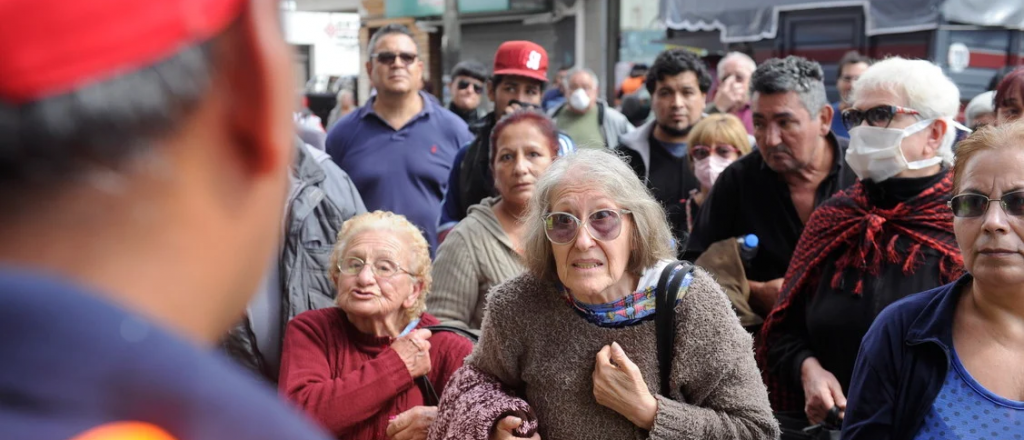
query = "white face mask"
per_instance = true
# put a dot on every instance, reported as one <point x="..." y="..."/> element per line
<point x="708" y="169"/>
<point x="579" y="100"/>
<point x="875" y="154"/>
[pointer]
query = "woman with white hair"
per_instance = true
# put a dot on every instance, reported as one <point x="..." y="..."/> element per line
<point x="574" y="336"/>
<point x="981" y="111"/>
<point x="887" y="236"/>
<point x="370" y="368"/>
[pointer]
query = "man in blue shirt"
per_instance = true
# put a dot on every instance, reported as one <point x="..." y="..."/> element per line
<point x="851" y="67"/>
<point x="399" y="147"/>
<point x="142" y="188"/>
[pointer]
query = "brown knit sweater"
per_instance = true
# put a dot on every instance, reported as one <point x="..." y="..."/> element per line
<point x="534" y="342"/>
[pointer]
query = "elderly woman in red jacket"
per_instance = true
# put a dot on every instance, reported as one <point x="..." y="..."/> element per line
<point x="368" y="368"/>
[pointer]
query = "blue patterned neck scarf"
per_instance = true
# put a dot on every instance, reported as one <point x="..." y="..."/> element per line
<point x="635" y="308"/>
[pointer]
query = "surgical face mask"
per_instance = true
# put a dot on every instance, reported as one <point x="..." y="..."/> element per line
<point x="708" y="169"/>
<point x="875" y="154"/>
<point x="579" y="100"/>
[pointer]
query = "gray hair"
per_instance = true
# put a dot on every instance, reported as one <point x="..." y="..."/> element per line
<point x="390" y="29"/>
<point x="792" y="74"/>
<point x="574" y="71"/>
<point x="924" y="88"/>
<point x="48" y="143"/>
<point x="981" y="104"/>
<point x="608" y="174"/>
<point x="738" y="56"/>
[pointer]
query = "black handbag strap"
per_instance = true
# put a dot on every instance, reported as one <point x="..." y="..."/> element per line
<point x="665" y="317"/>
<point x="452" y="329"/>
<point x="430" y="396"/>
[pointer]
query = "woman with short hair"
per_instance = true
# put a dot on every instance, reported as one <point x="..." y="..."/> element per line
<point x="355" y="367"/>
<point x="715" y="142"/>
<point x="946" y="363"/>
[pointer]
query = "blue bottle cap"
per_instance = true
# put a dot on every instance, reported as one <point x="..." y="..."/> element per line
<point x="751" y="241"/>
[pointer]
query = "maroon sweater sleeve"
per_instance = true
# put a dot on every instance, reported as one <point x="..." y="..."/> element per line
<point x="456" y="348"/>
<point x="340" y="403"/>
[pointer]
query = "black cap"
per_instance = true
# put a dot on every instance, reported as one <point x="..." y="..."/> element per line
<point x="472" y="69"/>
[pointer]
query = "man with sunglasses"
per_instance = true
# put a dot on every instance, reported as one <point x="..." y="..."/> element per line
<point x="520" y="72"/>
<point x="399" y="147"/>
<point x="466" y="88"/>
<point x="772" y="191"/>
<point x="887" y="236"/>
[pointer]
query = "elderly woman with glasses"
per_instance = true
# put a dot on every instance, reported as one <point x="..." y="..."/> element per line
<point x="574" y="337"/>
<point x="368" y="368"/>
<point x="946" y="363"/>
<point x="886" y="236"/>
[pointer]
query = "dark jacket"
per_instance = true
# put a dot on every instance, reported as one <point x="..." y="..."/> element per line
<point x="475" y="181"/>
<point x="472" y="117"/>
<point x="902" y="365"/>
<point x="321" y="198"/>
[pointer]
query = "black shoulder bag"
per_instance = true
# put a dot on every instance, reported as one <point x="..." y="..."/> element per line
<point x="665" y="317"/>
<point x="430" y="396"/>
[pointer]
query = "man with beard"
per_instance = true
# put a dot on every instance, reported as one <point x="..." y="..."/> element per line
<point x="772" y="191"/>
<point x="678" y="82"/>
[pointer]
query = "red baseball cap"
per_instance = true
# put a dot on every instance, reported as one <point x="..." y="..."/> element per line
<point x="522" y="58"/>
<point x="51" y="47"/>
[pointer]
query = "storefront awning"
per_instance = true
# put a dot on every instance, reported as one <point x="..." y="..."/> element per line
<point x="747" y="20"/>
<point x="998" y="13"/>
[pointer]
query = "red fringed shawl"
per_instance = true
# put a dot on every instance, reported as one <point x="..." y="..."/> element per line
<point x="866" y="236"/>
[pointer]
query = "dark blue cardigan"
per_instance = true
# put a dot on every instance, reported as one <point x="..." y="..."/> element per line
<point x="902" y="365"/>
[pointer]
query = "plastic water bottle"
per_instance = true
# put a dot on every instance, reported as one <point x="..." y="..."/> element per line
<point x="748" y="248"/>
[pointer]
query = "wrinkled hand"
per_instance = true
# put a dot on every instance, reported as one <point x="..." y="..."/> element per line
<point x="412" y="424"/>
<point x="821" y="391"/>
<point x="414" y="349"/>
<point x="730" y="95"/>
<point x="503" y="429"/>
<point x="763" y="295"/>
<point x="619" y="385"/>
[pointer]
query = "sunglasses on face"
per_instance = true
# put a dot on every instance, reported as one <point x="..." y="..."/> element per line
<point x="975" y="205"/>
<point x="388" y="58"/>
<point x="880" y="116"/>
<point x="603" y="225"/>
<point x="701" y="152"/>
<point x="463" y="84"/>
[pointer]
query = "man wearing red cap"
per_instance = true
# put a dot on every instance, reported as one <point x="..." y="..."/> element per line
<point x="520" y="72"/>
<point x="143" y="170"/>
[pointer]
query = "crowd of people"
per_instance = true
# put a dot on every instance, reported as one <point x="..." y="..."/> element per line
<point x="438" y="271"/>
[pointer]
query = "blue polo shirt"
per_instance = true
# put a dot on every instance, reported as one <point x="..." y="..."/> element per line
<point x="70" y="362"/>
<point x="403" y="171"/>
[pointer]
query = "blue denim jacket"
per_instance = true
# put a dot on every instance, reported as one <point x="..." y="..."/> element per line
<point x="902" y="365"/>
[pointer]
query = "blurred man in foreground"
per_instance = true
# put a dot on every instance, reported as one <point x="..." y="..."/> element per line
<point x="142" y="177"/>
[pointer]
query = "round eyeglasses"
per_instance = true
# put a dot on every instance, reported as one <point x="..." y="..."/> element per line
<point x="603" y="225"/>
<point x="382" y="268"/>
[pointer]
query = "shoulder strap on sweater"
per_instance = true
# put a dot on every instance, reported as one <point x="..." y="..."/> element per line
<point x="665" y="316"/>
